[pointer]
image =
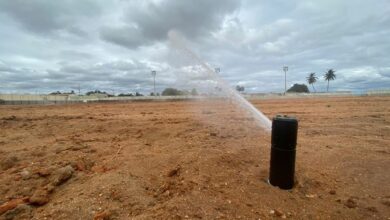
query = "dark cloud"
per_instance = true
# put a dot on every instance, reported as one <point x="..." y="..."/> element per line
<point x="42" y="16"/>
<point x="148" y="22"/>
<point x="126" y="36"/>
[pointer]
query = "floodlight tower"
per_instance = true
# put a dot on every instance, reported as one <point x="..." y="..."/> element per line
<point x="285" y="69"/>
<point x="154" y="73"/>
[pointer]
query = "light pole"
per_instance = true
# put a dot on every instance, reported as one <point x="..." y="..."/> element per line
<point x="217" y="70"/>
<point x="285" y="69"/>
<point x="154" y="73"/>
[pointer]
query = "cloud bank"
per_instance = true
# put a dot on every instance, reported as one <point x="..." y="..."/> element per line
<point x="59" y="45"/>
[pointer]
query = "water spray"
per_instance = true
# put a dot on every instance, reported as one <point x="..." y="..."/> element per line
<point x="284" y="129"/>
<point x="283" y="147"/>
<point x="178" y="42"/>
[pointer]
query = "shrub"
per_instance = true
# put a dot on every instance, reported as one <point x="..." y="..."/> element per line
<point x="298" y="88"/>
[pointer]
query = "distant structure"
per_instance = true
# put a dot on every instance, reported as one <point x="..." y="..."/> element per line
<point x="154" y="73"/>
<point x="285" y="69"/>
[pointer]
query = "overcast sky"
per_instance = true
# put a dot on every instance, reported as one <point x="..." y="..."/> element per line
<point x="48" y="45"/>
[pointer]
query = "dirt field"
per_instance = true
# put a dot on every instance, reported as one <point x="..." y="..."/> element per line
<point x="171" y="160"/>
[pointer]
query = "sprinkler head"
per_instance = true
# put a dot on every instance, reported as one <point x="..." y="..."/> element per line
<point x="283" y="145"/>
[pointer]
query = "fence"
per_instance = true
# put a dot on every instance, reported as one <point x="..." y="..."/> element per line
<point x="17" y="99"/>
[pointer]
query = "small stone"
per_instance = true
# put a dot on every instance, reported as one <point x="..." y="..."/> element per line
<point x="12" y="204"/>
<point x="25" y="174"/>
<point x="350" y="203"/>
<point x="332" y="192"/>
<point x="206" y="112"/>
<point x="60" y="149"/>
<point x="22" y="211"/>
<point x="386" y="202"/>
<point x="104" y="215"/>
<point x="43" y="172"/>
<point x="80" y="166"/>
<point x="99" y="168"/>
<point x="310" y="196"/>
<point x="10" y="118"/>
<point x="278" y="213"/>
<point x="174" y="172"/>
<point x="40" y="197"/>
<point x="26" y="191"/>
<point x="372" y="209"/>
<point x="49" y="188"/>
<point x="63" y="174"/>
<point x="8" y="162"/>
<point x="213" y="134"/>
<point x="78" y="147"/>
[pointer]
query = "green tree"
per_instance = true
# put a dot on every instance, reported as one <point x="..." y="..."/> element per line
<point x="171" y="92"/>
<point x="329" y="75"/>
<point x="298" y="88"/>
<point x="194" y="92"/>
<point x="240" y="88"/>
<point x="311" y="79"/>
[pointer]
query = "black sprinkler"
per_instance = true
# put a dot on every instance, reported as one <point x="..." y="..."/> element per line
<point x="283" y="146"/>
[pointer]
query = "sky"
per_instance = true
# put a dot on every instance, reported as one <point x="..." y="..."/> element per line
<point x="48" y="45"/>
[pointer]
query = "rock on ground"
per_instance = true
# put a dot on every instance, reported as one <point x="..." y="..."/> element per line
<point x="22" y="211"/>
<point x="8" y="162"/>
<point x="104" y="215"/>
<point x="62" y="175"/>
<point x="12" y="204"/>
<point x="40" y="197"/>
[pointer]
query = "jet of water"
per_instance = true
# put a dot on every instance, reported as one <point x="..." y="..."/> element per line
<point x="178" y="42"/>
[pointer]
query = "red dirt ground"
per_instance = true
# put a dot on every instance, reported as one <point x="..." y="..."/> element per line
<point x="175" y="160"/>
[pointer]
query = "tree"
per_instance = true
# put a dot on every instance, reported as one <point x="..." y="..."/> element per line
<point x="96" y="92"/>
<point x="125" y="94"/>
<point x="329" y="75"/>
<point x="311" y="79"/>
<point x="172" y="92"/>
<point x="298" y="88"/>
<point x="194" y="92"/>
<point x="240" y="88"/>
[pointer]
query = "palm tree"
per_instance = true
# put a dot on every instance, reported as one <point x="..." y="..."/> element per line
<point x="311" y="79"/>
<point x="329" y="75"/>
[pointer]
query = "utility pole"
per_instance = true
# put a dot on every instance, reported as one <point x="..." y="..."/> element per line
<point x="154" y="73"/>
<point x="285" y="69"/>
<point x="79" y="89"/>
<point x="217" y="70"/>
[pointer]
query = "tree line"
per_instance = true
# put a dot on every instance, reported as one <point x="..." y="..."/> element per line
<point x="311" y="79"/>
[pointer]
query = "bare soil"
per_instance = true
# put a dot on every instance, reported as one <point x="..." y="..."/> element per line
<point x="166" y="160"/>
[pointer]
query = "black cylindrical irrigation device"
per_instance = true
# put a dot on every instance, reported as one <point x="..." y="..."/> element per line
<point x="283" y="146"/>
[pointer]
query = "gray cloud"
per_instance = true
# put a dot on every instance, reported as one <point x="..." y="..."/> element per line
<point x="58" y="45"/>
<point x="42" y="16"/>
<point x="145" y="23"/>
